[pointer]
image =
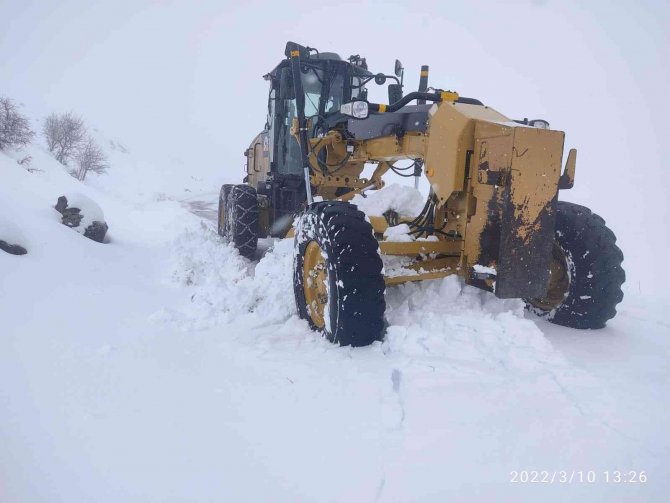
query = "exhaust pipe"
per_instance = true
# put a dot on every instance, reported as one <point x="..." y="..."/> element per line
<point x="423" y="83"/>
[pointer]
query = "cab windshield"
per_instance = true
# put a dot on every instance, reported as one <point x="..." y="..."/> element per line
<point x="324" y="91"/>
<point x="326" y="85"/>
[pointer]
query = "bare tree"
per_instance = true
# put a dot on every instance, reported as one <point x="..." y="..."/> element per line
<point x="90" y="157"/>
<point x="14" y="127"/>
<point x="65" y="135"/>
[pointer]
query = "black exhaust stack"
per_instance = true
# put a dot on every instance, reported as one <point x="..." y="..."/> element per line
<point x="423" y="83"/>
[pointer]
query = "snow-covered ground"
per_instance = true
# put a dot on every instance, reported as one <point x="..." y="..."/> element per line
<point x="162" y="366"/>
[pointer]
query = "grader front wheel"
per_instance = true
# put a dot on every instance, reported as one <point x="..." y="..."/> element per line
<point x="337" y="274"/>
<point x="315" y="283"/>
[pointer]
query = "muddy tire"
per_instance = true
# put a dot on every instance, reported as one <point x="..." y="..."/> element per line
<point x="223" y="197"/>
<point x="586" y="279"/>
<point x="337" y="274"/>
<point x="241" y="219"/>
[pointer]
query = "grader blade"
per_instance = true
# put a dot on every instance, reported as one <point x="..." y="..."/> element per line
<point x="517" y="171"/>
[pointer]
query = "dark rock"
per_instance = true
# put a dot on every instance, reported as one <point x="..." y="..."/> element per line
<point x="12" y="249"/>
<point x="72" y="217"/>
<point x="96" y="231"/>
<point x="61" y="204"/>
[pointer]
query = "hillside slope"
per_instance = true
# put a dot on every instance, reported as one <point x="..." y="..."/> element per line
<point x="162" y="366"/>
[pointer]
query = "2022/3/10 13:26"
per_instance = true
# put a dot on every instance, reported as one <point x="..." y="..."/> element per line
<point x="577" y="477"/>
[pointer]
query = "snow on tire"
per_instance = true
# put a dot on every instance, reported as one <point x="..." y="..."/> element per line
<point x="241" y="219"/>
<point x="586" y="271"/>
<point x="337" y="274"/>
<point x="223" y="197"/>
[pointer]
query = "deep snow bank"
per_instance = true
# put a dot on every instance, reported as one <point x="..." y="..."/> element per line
<point x="163" y="366"/>
<point x="463" y="382"/>
<point x="437" y="318"/>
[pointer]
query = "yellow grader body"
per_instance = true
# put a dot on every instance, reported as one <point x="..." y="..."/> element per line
<point x="496" y="183"/>
<point x="492" y="215"/>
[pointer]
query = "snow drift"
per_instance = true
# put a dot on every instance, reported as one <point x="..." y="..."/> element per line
<point x="164" y="366"/>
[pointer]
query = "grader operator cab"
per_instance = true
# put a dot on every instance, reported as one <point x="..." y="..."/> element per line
<point x="492" y="215"/>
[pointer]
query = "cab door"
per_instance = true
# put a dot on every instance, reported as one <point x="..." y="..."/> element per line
<point x="258" y="159"/>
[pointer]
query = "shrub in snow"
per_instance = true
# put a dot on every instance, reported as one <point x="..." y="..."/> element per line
<point x="83" y="215"/>
<point x="25" y="161"/>
<point x="65" y="134"/>
<point x="14" y="127"/>
<point x="67" y="139"/>
<point x="90" y="157"/>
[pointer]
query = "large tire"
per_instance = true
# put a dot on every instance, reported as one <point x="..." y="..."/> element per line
<point x="241" y="218"/>
<point x="337" y="265"/>
<point x="223" y="197"/>
<point x="586" y="271"/>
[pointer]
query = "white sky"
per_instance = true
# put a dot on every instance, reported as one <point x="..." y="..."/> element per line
<point x="182" y="80"/>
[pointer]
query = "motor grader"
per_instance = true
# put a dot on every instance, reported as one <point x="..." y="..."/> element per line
<point x="492" y="215"/>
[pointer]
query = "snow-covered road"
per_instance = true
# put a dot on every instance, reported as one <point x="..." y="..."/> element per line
<point x="162" y="366"/>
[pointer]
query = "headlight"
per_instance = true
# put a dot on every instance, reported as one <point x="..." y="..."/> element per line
<point x="356" y="109"/>
<point x="539" y="123"/>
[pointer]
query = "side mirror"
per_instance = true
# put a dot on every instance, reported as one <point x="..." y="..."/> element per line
<point x="395" y="93"/>
<point x="398" y="68"/>
<point x="380" y="78"/>
<point x="286" y="90"/>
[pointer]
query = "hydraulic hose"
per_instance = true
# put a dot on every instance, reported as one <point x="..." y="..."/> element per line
<point x="394" y="107"/>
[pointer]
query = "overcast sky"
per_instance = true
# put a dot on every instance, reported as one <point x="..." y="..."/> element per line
<point x="181" y="80"/>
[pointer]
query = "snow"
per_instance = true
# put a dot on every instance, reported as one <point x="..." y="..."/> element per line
<point x="406" y="201"/>
<point x="88" y="207"/>
<point x="9" y="231"/>
<point x="398" y="233"/>
<point x="147" y="369"/>
<point x="162" y="366"/>
<point x="484" y="269"/>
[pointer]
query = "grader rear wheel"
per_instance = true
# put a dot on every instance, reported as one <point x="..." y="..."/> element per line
<point x="241" y="219"/>
<point x="559" y="282"/>
<point x="586" y="273"/>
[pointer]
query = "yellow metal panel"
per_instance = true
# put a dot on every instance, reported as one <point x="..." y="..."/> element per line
<point x="514" y="177"/>
<point x="450" y="136"/>
<point x="492" y="157"/>
<point x="536" y="167"/>
<point x="418" y="247"/>
<point x="379" y="224"/>
<point x="397" y="280"/>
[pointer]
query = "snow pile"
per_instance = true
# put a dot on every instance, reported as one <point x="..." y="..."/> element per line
<point x="432" y="318"/>
<point x="10" y="233"/>
<point x="448" y="318"/>
<point x="90" y="210"/>
<point x="224" y="287"/>
<point x="398" y="233"/>
<point x="406" y="201"/>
